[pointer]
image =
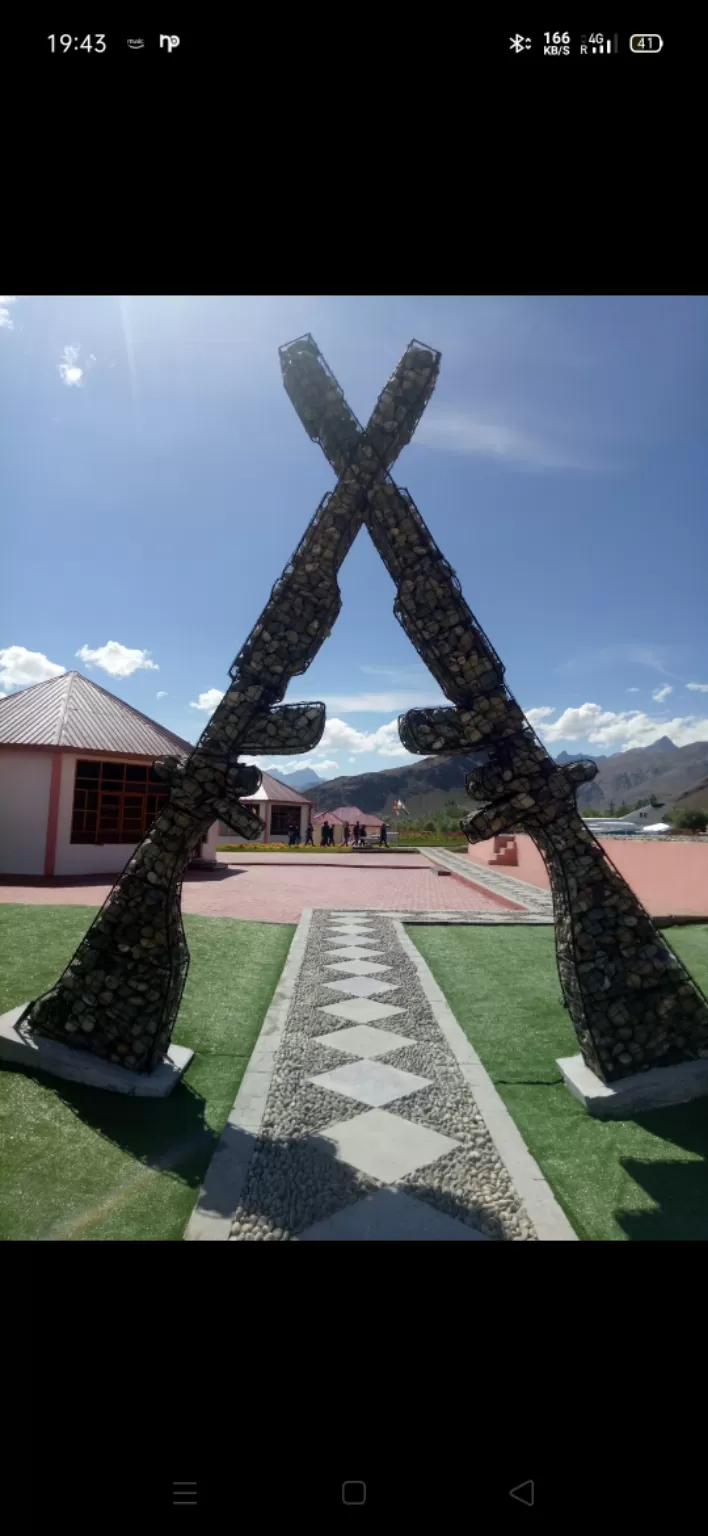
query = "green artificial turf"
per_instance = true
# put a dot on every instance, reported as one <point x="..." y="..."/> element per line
<point x="644" y="1178"/>
<point x="82" y="1163"/>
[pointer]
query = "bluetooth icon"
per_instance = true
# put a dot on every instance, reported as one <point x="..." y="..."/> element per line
<point x="518" y="43"/>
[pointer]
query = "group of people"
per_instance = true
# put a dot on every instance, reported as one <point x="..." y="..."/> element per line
<point x="357" y="835"/>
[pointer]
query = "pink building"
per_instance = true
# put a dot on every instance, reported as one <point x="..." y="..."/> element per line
<point x="279" y="808"/>
<point x="77" y="786"/>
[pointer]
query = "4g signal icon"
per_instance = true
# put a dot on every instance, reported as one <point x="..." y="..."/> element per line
<point x="594" y="42"/>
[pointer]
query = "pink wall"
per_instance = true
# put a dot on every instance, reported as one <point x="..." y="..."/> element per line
<point x="670" y="878"/>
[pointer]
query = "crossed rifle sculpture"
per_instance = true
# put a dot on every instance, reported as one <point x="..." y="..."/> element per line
<point x="632" y="1003"/>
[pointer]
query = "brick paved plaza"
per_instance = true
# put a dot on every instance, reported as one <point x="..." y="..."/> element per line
<point x="264" y="890"/>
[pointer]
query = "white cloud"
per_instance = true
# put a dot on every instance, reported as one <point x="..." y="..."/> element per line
<point x="20" y="668"/>
<point x="579" y="724"/>
<point x="6" y="321"/>
<point x="384" y="703"/>
<point x="660" y="694"/>
<point x="622" y="655"/>
<point x="535" y="716"/>
<point x="620" y="731"/>
<point x="69" y="370"/>
<point x="161" y="695"/>
<point x="118" y="660"/>
<point x="409" y="672"/>
<point x="698" y="687"/>
<point x="633" y="690"/>
<point x="208" y="701"/>
<point x="465" y="432"/>
<point x="385" y="741"/>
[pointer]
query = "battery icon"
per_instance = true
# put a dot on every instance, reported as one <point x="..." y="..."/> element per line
<point x="646" y="42"/>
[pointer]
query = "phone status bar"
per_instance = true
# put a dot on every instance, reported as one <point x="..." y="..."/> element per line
<point x="559" y="45"/>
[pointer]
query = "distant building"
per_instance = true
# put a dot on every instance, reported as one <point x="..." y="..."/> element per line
<point x="280" y="808"/>
<point x="351" y="813"/>
<point x="77" y="787"/>
<point x="335" y="822"/>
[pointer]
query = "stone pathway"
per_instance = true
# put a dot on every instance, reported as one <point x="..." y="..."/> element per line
<point x="533" y="898"/>
<point x="370" y="1129"/>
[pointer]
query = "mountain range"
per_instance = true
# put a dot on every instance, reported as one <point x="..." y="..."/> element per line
<point x="302" y="778"/>
<point x="662" y="769"/>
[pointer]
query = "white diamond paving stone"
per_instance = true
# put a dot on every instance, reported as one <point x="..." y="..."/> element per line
<point x="384" y="1146"/>
<point x="364" y="1041"/>
<point x="370" y="1082"/>
<point x="354" y="946"/>
<point x="360" y="986"/>
<point x="356" y="967"/>
<point x="361" y="1010"/>
<point x="390" y="1216"/>
<point x="354" y="923"/>
<point x="345" y="955"/>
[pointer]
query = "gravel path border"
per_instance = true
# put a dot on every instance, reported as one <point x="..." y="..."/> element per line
<point x="275" y="1173"/>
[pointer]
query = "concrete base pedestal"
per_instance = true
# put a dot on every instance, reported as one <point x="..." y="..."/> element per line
<point x="37" y="1053"/>
<point x="654" y="1089"/>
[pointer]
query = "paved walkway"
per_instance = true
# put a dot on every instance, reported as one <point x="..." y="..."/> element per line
<point x="279" y="893"/>
<point x="357" y="1120"/>
<point x="522" y="893"/>
<point x="353" y="860"/>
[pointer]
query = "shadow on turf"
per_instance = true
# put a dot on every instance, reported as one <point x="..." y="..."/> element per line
<point x="167" y="1134"/>
<point x="171" y="1136"/>
<point x="679" y="1189"/>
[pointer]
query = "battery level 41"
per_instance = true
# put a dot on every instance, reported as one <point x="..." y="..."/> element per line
<point x="646" y="42"/>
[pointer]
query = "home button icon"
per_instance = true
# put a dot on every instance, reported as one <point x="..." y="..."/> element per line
<point x="353" y="1493"/>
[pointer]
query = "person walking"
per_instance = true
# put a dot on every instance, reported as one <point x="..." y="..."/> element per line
<point x="357" y="833"/>
<point x="346" y="834"/>
<point x="309" y="839"/>
<point x="383" y="837"/>
<point x="323" y="835"/>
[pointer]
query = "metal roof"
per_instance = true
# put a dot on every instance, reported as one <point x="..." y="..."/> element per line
<point x="272" y="789"/>
<point x="351" y="813"/>
<point x="72" y="712"/>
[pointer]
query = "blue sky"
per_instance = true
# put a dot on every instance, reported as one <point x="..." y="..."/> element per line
<point x="156" y="478"/>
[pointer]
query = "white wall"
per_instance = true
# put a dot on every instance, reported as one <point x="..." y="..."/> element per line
<point x="210" y="842"/>
<point x="24" y="805"/>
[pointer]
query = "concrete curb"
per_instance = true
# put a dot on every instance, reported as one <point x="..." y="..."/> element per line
<point x="226" y="1175"/>
<point x="532" y="1188"/>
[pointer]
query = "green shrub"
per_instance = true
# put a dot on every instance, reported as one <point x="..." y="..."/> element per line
<point x="692" y="819"/>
